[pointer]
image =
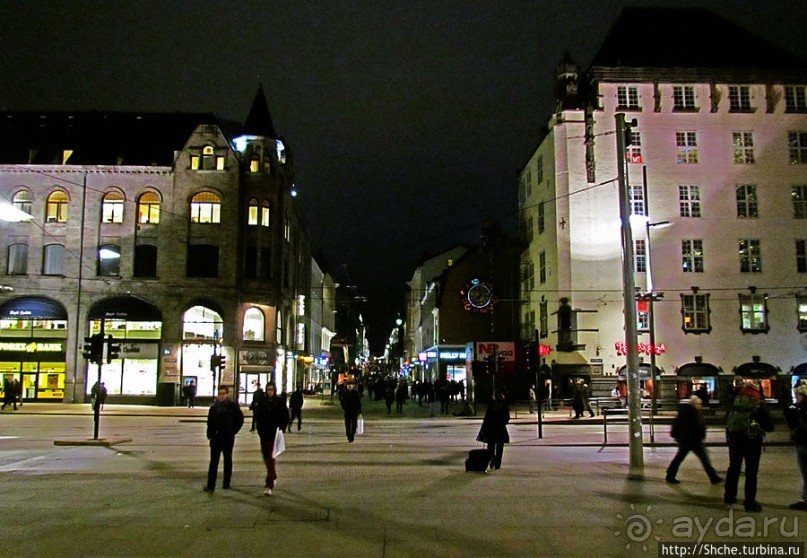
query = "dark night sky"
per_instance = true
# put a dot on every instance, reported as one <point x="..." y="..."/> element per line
<point x="408" y="120"/>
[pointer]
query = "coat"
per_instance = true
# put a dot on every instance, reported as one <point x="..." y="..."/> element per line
<point x="494" y="425"/>
<point x="796" y="417"/>
<point x="351" y="403"/>
<point x="224" y="420"/>
<point x="270" y="414"/>
<point x="689" y="427"/>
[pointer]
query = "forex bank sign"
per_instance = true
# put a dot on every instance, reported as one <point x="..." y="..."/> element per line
<point x="504" y="350"/>
<point x="32" y="347"/>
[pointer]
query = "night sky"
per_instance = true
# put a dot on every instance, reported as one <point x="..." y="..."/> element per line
<point x="408" y="120"/>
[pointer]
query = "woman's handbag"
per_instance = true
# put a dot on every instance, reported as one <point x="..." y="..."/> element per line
<point x="280" y="444"/>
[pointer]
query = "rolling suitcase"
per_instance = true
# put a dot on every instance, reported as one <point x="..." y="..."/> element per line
<point x="478" y="460"/>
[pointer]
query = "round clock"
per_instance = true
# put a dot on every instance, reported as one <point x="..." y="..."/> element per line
<point x="477" y="296"/>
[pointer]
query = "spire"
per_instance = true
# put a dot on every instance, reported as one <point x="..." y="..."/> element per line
<point x="259" y="121"/>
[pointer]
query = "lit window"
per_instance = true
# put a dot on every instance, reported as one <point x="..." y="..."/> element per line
<point x="22" y="201"/>
<point x="739" y="98"/>
<point x="799" y="196"/>
<point x="801" y="308"/>
<point x="695" y="313"/>
<point x="692" y="256"/>
<point x="683" y="98"/>
<point x="148" y="208"/>
<point x="56" y="209"/>
<point x="687" y="144"/>
<point x="253" y="325"/>
<point x="638" y="204"/>
<point x="17" y="259"/>
<point x="743" y="147"/>
<point x="750" y="256"/>
<point x="754" y="313"/>
<point x="265" y="213"/>
<point x="206" y="208"/>
<point x="640" y="256"/>
<point x="801" y="256"/>
<point x="627" y="97"/>
<point x="112" y="207"/>
<point x="109" y="260"/>
<point x="279" y="328"/>
<point x="747" y="203"/>
<point x="53" y="259"/>
<point x="252" y="212"/>
<point x="795" y="98"/>
<point x="797" y="145"/>
<point x="254" y="164"/>
<point x="287" y="229"/>
<point x="207" y="160"/>
<point x="689" y="200"/>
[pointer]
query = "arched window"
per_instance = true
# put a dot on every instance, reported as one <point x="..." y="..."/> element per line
<point x="148" y="208"/>
<point x="56" y="210"/>
<point x="265" y="213"/>
<point x="109" y="260"/>
<point x="22" y="201"/>
<point x="252" y="212"/>
<point x="112" y="207"/>
<point x="253" y="325"/>
<point x="17" y="259"/>
<point x="206" y="208"/>
<point x="53" y="259"/>
<point x="202" y="323"/>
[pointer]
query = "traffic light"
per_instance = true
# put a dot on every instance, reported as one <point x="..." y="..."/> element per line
<point x="222" y="362"/>
<point x="112" y="349"/>
<point x="94" y="348"/>
<point x="214" y="362"/>
<point x="629" y="125"/>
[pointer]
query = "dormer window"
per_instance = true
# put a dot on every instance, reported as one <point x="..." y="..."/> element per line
<point x="207" y="160"/>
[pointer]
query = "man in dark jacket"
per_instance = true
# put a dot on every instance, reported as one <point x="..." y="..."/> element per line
<point x="493" y="431"/>
<point x="296" y="407"/>
<point x="689" y="430"/>
<point x="746" y="424"/>
<point x="257" y="396"/>
<point x="224" y="420"/>
<point x="796" y="416"/>
<point x="351" y="404"/>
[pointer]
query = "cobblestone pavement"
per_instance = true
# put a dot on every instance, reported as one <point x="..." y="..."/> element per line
<point x="400" y="490"/>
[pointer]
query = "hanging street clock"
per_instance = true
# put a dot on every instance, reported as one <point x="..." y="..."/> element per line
<point x="477" y="297"/>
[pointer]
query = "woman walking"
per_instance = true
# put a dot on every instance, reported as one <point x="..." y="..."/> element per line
<point x="272" y="415"/>
<point x="494" y="429"/>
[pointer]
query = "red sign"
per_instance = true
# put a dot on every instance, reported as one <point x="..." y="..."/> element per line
<point x="544" y="350"/>
<point x="643" y="348"/>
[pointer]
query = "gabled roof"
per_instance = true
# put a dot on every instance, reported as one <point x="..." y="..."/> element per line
<point x="686" y="38"/>
<point x="259" y="121"/>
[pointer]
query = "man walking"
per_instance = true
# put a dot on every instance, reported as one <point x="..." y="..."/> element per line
<point x="689" y="430"/>
<point x="296" y="408"/>
<point x="224" y="420"/>
<point x="257" y="397"/>
<point x="351" y="404"/>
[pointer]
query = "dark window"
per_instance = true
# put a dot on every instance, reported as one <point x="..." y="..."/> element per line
<point x="251" y="262"/>
<point x="266" y="263"/>
<point x="145" y="263"/>
<point x="203" y="260"/>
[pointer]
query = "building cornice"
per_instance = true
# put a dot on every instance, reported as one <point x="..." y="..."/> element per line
<point x="76" y="169"/>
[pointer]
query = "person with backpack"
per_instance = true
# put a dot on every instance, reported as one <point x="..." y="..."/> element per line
<point x="796" y="416"/>
<point x="746" y="424"/>
<point x="689" y="430"/>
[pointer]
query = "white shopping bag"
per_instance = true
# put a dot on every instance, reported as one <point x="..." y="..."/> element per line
<point x="360" y="425"/>
<point x="280" y="444"/>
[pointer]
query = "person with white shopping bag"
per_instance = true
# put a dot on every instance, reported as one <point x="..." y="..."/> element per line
<point x="272" y="418"/>
<point x="351" y="404"/>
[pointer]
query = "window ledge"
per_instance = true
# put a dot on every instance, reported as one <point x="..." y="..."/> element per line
<point x="756" y="331"/>
<point x="749" y="110"/>
<point x="687" y="109"/>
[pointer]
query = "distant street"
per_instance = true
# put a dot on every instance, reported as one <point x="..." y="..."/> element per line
<point x="399" y="490"/>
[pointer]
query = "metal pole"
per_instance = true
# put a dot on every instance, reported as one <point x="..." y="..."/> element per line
<point x="96" y="414"/>
<point x="629" y="296"/>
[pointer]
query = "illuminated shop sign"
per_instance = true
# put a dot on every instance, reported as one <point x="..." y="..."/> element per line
<point x="444" y="355"/>
<point x="33" y="347"/>
<point x="643" y="348"/>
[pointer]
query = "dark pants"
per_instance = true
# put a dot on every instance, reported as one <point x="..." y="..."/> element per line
<point x="801" y="455"/>
<point x="399" y="405"/>
<point x="298" y="414"/>
<point x="9" y="399"/>
<point x="699" y="450"/>
<point x="496" y="451"/>
<point x="351" y="423"/>
<point x="749" y="450"/>
<point x="444" y="406"/>
<point x="267" y="445"/>
<point x="217" y="447"/>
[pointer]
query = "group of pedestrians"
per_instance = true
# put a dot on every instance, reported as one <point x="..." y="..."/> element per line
<point x="12" y="393"/>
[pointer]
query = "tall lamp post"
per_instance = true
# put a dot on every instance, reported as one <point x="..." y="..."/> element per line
<point x="652" y="296"/>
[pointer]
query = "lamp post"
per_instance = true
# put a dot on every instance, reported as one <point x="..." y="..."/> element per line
<point x="652" y="296"/>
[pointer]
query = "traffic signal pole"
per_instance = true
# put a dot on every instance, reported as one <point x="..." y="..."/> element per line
<point x="96" y="414"/>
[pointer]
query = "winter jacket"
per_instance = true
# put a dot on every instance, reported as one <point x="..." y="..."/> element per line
<point x="689" y="428"/>
<point x="270" y="414"/>
<point x="494" y="425"/>
<point x="351" y="403"/>
<point x="224" y="420"/>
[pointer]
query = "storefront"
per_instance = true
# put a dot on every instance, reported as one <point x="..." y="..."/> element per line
<point x="202" y="330"/>
<point x="645" y="380"/>
<point x="445" y="362"/>
<point x="256" y="367"/>
<point x="698" y="378"/>
<point x="33" y="346"/>
<point x="136" y="326"/>
<point x="760" y="374"/>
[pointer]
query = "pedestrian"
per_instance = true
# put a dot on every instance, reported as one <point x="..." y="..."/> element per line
<point x="296" y="407"/>
<point x="389" y="397"/>
<point x="494" y="429"/>
<point x="17" y="392"/>
<point x="224" y="420"/>
<point x="585" y="393"/>
<point x="532" y="398"/>
<point x="9" y="396"/>
<point x="189" y="391"/>
<point x="272" y="415"/>
<point x="400" y="397"/>
<point x="351" y="404"/>
<point x="689" y="430"/>
<point x="746" y="424"/>
<point x="796" y="416"/>
<point x="257" y="396"/>
<point x="98" y="394"/>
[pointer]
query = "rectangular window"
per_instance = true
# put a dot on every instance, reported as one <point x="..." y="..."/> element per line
<point x="638" y="203"/>
<point x="543" y="310"/>
<point x="747" y="203"/>
<point x="801" y="256"/>
<point x="797" y="145"/>
<point x="739" y="98"/>
<point x="17" y="259"/>
<point x="743" y="147"/>
<point x="801" y="309"/>
<point x="53" y="260"/>
<point x="542" y="268"/>
<point x="531" y="282"/>
<point x="687" y="144"/>
<point x="695" y="313"/>
<point x="799" y="196"/>
<point x="643" y="315"/>
<point x="750" y="256"/>
<point x="528" y="229"/>
<point x="640" y="256"/>
<point x="754" y="312"/>
<point x="627" y="97"/>
<point x="539" y="170"/>
<point x="683" y="98"/>
<point x="252" y="214"/>
<point x="633" y="152"/>
<point x="692" y="256"/>
<point x="689" y="200"/>
<point x="541" y="219"/>
<point x="795" y="98"/>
